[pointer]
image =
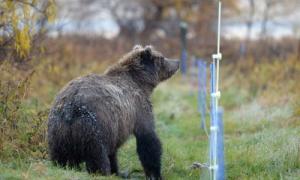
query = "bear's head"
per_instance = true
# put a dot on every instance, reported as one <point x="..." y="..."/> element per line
<point x="147" y="66"/>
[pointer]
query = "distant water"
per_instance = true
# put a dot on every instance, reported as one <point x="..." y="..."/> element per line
<point x="109" y="28"/>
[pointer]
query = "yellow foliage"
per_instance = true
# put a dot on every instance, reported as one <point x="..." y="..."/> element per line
<point x="22" y="42"/>
<point x="10" y="4"/>
<point x="21" y="17"/>
<point x="51" y="11"/>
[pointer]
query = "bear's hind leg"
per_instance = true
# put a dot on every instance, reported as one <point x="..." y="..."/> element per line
<point x="59" y="161"/>
<point x="74" y="164"/>
<point x="97" y="161"/>
<point x="58" y="155"/>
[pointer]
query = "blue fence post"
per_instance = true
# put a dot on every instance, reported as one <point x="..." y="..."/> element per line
<point x="216" y="138"/>
<point x="202" y="91"/>
<point x="212" y="121"/>
<point x="183" y="66"/>
<point x="217" y="165"/>
<point x="220" y="149"/>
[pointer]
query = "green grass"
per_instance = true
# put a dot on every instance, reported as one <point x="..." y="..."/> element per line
<point x="261" y="142"/>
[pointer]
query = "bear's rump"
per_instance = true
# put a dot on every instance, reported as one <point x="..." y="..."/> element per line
<point x="114" y="114"/>
<point x="101" y="112"/>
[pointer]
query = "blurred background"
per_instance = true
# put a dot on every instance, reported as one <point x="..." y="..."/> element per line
<point x="260" y="29"/>
<point x="46" y="43"/>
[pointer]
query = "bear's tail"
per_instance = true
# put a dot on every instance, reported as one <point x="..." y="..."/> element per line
<point x="74" y="110"/>
<point x="67" y="112"/>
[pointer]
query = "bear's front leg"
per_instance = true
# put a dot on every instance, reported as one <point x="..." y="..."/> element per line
<point x="114" y="163"/>
<point x="149" y="151"/>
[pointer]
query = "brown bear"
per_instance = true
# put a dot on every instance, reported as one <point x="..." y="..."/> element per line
<point x="92" y="116"/>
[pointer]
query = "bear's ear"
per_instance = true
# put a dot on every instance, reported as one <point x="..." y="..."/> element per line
<point x="147" y="52"/>
<point x="148" y="49"/>
<point x="136" y="47"/>
<point x="146" y="58"/>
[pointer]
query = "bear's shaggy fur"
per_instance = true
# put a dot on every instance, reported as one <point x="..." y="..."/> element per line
<point x="92" y="116"/>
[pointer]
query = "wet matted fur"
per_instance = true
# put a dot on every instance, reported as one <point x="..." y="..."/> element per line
<point x="92" y="116"/>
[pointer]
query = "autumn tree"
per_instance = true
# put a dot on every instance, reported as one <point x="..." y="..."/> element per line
<point x="22" y="24"/>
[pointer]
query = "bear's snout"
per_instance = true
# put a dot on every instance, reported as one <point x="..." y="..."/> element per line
<point x="173" y="65"/>
<point x="169" y="69"/>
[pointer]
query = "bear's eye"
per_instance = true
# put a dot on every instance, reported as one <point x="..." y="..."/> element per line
<point x="147" y="62"/>
<point x="160" y="60"/>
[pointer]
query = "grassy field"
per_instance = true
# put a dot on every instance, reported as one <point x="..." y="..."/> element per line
<point x="261" y="121"/>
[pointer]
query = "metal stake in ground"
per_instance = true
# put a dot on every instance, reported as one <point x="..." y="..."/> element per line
<point x="216" y="129"/>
